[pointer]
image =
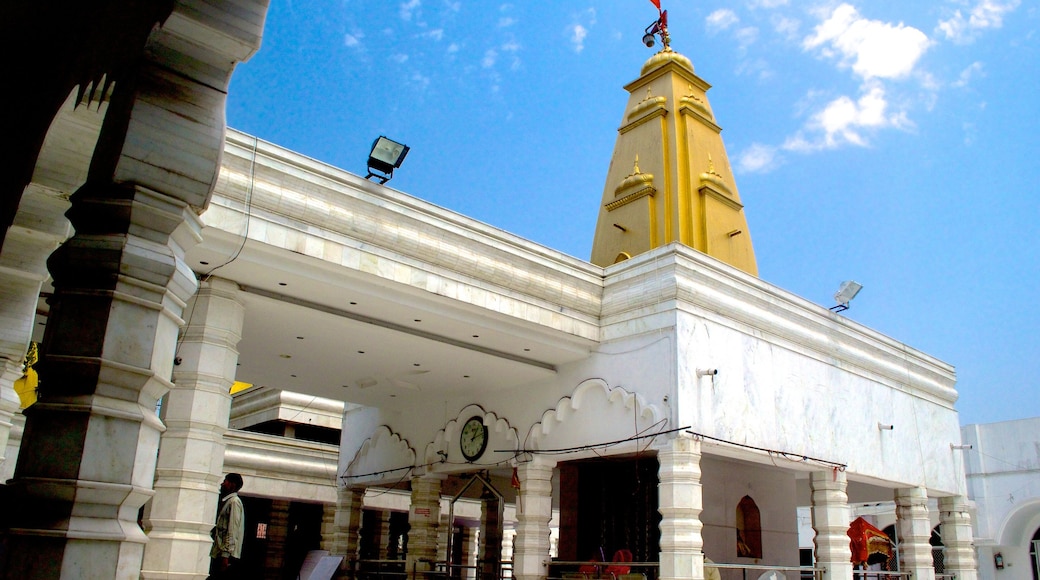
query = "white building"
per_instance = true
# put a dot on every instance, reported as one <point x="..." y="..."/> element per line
<point x="666" y="401"/>
<point x="1003" y="472"/>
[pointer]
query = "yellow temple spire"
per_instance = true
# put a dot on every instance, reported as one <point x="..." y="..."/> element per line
<point x="685" y="191"/>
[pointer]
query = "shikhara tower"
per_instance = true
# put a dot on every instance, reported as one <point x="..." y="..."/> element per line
<point x="670" y="179"/>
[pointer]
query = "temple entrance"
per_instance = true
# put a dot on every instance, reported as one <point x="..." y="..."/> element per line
<point x="608" y="510"/>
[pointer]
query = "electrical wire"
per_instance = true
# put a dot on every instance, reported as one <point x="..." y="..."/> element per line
<point x="788" y="455"/>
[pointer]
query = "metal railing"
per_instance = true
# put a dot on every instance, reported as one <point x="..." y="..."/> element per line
<point x="482" y="570"/>
<point x="378" y="570"/>
<point x="880" y="575"/>
<point x="735" y="571"/>
<point x="585" y="570"/>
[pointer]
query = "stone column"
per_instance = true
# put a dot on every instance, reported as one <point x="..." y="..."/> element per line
<point x="533" y="512"/>
<point x="831" y="517"/>
<point x="89" y="449"/>
<point x="277" y="534"/>
<point x="914" y="530"/>
<point x="191" y="451"/>
<point x="10" y="371"/>
<point x="347" y="525"/>
<point x="955" y="524"/>
<point x="680" y="503"/>
<point x="38" y="229"/>
<point x="424" y="518"/>
<point x="491" y="526"/>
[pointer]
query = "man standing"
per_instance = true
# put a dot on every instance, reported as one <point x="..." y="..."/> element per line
<point x="229" y="531"/>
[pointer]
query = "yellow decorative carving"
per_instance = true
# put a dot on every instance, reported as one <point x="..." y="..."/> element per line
<point x="635" y="180"/>
<point x="694" y="102"/>
<point x="650" y="103"/>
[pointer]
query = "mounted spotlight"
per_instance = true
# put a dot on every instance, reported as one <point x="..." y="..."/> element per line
<point x="386" y="156"/>
<point x="845" y="294"/>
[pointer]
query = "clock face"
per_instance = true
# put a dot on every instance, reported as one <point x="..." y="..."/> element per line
<point x="474" y="438"/>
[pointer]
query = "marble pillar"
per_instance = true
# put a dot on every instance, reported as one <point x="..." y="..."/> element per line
<point x="424" y="517"/>
<point x="347" y="525"/>
<point x="955" y="525"/>
<point x="533" y="512"/>
<point x="914" y="530"/>
<point x="277" y="539"/>
<point x="10" y="371"/>
<point x="831" y="517"/>
<point x="38" y="229"/>
<point x="191" y="451"/>
<point x="680" y="503"/>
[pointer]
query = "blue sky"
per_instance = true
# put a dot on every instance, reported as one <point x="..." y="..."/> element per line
<point x="894" y="143"/>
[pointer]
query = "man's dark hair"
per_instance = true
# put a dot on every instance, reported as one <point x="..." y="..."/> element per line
<point x="235" y="479"/>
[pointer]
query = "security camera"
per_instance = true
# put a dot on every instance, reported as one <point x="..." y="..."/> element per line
<point x="177" y="361"/>
<point x="707" y="372"/>
<point x="648" y="40"/>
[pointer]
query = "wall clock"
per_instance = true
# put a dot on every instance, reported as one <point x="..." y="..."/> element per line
<point x="474" y="438"/>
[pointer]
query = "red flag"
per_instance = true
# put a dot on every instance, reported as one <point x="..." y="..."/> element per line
<point x="656" y="3"/>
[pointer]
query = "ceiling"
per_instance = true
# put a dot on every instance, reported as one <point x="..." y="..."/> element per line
<point x="323" y="330"/>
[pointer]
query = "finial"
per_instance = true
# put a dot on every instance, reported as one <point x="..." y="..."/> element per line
<point x="711" y="164"/>
<point x="658" y="27"/>
<point x="635" y="166"/>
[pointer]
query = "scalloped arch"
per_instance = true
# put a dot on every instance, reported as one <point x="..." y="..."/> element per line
<point x="501" y="435"/>
<point x="594" y="412"/>
<point x="384" y="450"/>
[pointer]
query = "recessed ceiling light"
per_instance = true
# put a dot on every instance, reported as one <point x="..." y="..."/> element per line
<point x="293" y="376"/>
<point x="361" y="352"/>
<point x="527" y="350"/>
<point x="299" y="338"/>
<point x="282" y="284"/>
<point x="353" y="303"/>
<point x="417" y="320"/>
<point x="204" y="262"/>
<point x="285" y="355"/>
<point x="476" y="336"/>
<point x="415" y="364"/>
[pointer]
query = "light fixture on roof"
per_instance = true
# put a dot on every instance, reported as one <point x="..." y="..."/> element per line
<point x="657" y="27"/>
<point x="386" y="156"/>
<point x="845" y="294"/>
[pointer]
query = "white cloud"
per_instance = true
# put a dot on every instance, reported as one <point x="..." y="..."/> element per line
<point x="453" y="6"/>
<point x="506" y="22"/>
<point x="846" y="122"/>
<point x="489" y="58"/>
<point x="399" y="58"/>
<point x="758" y="159"/>
<point x="746" y="36"/>
<point x="721" y="19"/>
<point x="437" y="34"/>
<point x="511" y="46"/>
<point x="453" y="48"/>
<point x="420" y="81"/>
<point x="767" y="3"/>
<point x="873" y="49"/>
<point x="578" y="34"/>
<point x="974" y="69"/>
<point x="409" y="8"/>
<point x="986" y="14"/>
<point x="353" y="40"/>
<point x="786" y="27"/>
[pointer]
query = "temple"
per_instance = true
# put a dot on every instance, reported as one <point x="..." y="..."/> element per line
<point x="431" y="396"/>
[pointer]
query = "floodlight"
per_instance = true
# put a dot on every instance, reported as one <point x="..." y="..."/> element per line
<point x="845" y="294"/>
<point x="386" y="155"/>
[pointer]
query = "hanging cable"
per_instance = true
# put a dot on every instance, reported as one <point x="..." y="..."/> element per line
<point x="797" y="457"/>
